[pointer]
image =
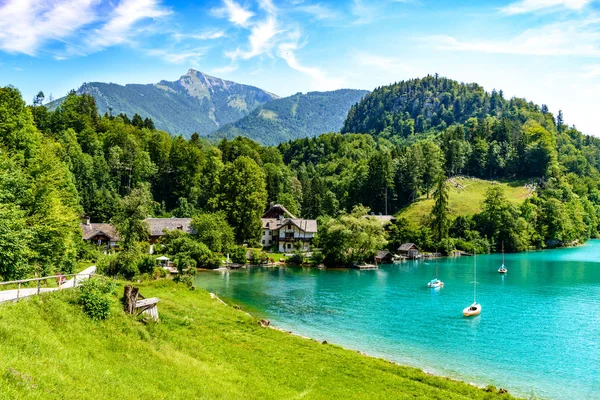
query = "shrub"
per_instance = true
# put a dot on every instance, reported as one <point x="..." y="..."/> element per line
<point x="125" y="265"/>
<point x="96" y="297"/>
<point x="238" y="255"/>
<point x="159" y="272"/>
<point x="317" y="257"/>
<point x="146" y="264"/>
<point x="296" y="258"/>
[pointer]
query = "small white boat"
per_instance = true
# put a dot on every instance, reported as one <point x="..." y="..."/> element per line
<point x="435" y="282"/>
<point x="475" y="308"/>
<point x="502" y="268"/>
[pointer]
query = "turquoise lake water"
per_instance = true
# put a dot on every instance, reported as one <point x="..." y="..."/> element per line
<point x="538" y="333"/>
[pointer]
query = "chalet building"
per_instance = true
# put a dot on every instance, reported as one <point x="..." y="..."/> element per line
<point x="283" y="230"/>
<point x="158" y="226"/>
<point x="107" y="234"/>
<point x="100" y="234"/>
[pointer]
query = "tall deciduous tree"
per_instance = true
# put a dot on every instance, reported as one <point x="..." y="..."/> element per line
<point x="133" y="210"/>
<point x="243" y="197"/>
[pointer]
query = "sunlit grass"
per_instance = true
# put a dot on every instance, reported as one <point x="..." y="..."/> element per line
<point x="467" y="201"/>
<point x="201" y="349"/>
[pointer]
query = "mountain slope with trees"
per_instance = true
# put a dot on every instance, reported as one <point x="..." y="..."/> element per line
<point x="293" y="117"/>
<point x="195" y="103"/>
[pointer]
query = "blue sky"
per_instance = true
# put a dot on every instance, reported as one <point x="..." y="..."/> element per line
<point x="545" y="50"/>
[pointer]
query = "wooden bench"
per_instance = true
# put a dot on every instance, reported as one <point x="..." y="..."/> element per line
<point x="137" y="304"/>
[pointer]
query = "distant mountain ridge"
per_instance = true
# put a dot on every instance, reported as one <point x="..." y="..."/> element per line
<point x="195" y="103"/>
<point x="294" y="117"/>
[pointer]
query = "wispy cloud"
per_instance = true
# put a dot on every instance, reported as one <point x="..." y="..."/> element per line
<point x="224" y="70"/>
<point x="187" y="56"/>
<point x="27" y="25"/>
<point x="260" y="40"/>
<point x="590" y="72"/>
<point x="206" y="35"/>
<point x="383" y="63"/>
<point x="122" y="19"/>
<point x="236" y="14"/>
<point x="528" y="6"/>
<point x="319" y="11"/>
<point x="71" y="27"/>
<point x="570" y="38"/>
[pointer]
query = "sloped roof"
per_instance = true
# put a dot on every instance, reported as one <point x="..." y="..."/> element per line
<point x="383" y="254"/>
<point x="306" y="225"/>
<point x="276" y="210"/>
<point x="157" y="225"/>
<point x="91" y="230"/>
<point x="407" y="246"/>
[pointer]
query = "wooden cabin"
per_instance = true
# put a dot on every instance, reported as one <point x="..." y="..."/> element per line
<point x="409" y="250"/>
<point x="384" y="257"/>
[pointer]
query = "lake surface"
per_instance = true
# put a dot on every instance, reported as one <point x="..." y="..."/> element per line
<point x="538" y="333"/>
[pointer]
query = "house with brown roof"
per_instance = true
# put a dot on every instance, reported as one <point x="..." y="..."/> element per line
<point x="158" y="226"/>
<point x="281" y="229"/>
<point x="100" y="234"/>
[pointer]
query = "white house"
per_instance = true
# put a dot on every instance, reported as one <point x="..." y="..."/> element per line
<point x="284" y="231"/>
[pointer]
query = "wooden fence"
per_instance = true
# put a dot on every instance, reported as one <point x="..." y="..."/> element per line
<point x="61" y="279"/>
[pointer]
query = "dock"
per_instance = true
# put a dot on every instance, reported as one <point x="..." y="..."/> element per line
<point x="365" y="267"/>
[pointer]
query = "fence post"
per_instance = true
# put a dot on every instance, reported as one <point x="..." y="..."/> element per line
<point x="75" y="280"/>
<point x="18" y="290"/>
<point x="39" y="282"/>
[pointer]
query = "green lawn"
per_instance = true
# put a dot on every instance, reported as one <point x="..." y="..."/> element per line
<point x="201" y="349"/>
<point x="467" y="201"/>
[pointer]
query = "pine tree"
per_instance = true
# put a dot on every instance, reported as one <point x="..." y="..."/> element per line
<point x="440" y="224"/>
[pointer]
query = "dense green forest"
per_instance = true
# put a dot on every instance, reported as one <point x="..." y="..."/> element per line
<point x="293" y="117"/>
<point x="57" y="166"/>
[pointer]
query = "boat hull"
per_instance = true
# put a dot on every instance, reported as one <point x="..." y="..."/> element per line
<point x="472" y="310"/>
<point x="435" y="285"/>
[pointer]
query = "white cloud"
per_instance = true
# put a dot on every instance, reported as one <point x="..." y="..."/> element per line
<point x="236" y="14"/>
<point x="320" y="80"/>
<point x="206" y="35"/>
<point x="570" y="38"/>
<point x="318" y="11"/>
<point x="528" y="6"/>
<point x="261" y="40"/>
<point x="189" y="56"/>
<point x="381" y="62"/>
<point x="590" y="72"/>
<point x="224" y="70"/>
<point x="27" y="25"/>
<point x="123" y="18"/>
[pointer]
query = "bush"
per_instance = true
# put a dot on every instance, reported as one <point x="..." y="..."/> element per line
<point x="159" y="272"/>
<point x="317" y="257"/>
<point x="238" y="255"/>
<point x="296" y="258"/>
<point x="96" y="297"/>
<point x="125" y="265"/>
<point x="146" y="264"/>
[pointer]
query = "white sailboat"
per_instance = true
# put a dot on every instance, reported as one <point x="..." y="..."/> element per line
<point x="435" y="283"/>
<point x="502" y="268"/>
<point x="475" y="308"/>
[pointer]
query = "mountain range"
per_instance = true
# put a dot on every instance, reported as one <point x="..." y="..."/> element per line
<point x="215" y="107"/>
<point x="294" y="117"/>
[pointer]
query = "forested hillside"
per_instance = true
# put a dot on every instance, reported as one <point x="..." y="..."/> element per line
<point x="63" y="164"/>
<point x="195" y="103"/>
<point x="294" y="117"/>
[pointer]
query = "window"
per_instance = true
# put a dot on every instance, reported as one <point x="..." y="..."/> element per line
<point x="289" y="245"/>
<point x="263" y="242"/>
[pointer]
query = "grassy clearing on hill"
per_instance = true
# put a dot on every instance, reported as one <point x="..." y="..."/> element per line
<point x="201" y="349"/>
<point x="466" y="201"/>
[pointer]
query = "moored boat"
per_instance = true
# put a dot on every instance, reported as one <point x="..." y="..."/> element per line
<point x="475" y="308"/>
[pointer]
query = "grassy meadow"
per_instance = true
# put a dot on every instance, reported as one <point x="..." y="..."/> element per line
<point x="467" y="198"/>
<point x="201" y="349"/>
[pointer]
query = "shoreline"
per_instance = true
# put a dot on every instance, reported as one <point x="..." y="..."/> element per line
<point x="267" y="324"/>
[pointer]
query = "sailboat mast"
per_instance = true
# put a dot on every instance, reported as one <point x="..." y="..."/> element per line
<point x="475" y="277"/>
<point x="436" y="264"/>
<point x="502" y="253"/>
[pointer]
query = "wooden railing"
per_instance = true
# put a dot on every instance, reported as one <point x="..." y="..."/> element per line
<point x="61" y="279"/>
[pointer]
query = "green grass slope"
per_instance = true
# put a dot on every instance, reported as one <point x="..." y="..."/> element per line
<point x="201" y="349"/>
<point x="465" y="197"/>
